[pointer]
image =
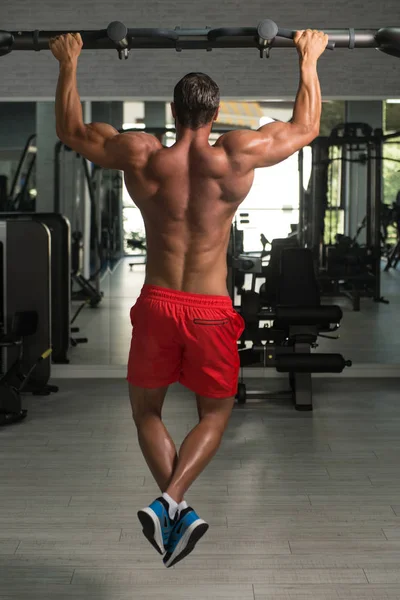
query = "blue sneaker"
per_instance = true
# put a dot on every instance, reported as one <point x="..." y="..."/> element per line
<point x="157" y="524"/>
<point x="187" y="530"/>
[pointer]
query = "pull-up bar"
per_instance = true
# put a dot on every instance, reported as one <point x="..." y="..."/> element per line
<point x="264" y="37"/>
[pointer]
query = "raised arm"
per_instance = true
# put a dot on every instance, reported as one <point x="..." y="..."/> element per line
<point x="276" y="141"/>
<point x="98" y="142"/>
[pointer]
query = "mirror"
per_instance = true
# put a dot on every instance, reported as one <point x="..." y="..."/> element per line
<point x="321" y="195"/>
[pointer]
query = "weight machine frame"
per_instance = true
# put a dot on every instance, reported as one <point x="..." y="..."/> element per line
<point x="311" y="233"/>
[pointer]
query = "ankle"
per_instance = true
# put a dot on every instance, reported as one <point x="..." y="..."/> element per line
<point x="175" y="496"/>
<point x="173" y="506"/>
<point x="182" y="506"/>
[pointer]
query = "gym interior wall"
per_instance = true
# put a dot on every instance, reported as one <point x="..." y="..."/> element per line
<point x="240" y="72"/>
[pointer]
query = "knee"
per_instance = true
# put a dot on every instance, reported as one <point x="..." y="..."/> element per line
<point x="217" y="421"/>
<point x="218" y="412"/>
<point x="146" y="403"/>
<point x="141" y="416"/>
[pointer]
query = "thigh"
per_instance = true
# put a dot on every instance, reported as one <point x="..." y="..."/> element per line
<point x="155" y="354"/>
<point x="211" y="362"/>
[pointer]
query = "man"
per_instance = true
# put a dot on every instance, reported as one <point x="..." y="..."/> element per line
<point x="184" y="326"/>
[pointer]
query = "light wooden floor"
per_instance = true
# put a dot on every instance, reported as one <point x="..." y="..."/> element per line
<point x="300" y="506"/>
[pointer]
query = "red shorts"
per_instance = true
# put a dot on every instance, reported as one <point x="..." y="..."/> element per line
<point x="184" y="337"/>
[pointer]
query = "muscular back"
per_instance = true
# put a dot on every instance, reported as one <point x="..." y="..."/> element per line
<point x="188" y="195"/>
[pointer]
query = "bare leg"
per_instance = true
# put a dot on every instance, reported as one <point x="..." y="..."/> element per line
<point x="157" y="446"/>
<point x="201" y="444"/>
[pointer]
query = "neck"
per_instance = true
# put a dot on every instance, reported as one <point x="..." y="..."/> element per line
<point x="201" y="135"/>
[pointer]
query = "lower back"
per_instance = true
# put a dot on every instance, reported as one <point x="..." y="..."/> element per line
<point x="189" y="262"/>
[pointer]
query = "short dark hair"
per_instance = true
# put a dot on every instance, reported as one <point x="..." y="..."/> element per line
<point x="196" y="99"/>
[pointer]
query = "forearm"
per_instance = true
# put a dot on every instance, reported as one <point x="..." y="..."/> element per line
<point x="308" y="105"/>
<point x="69" y="116"/>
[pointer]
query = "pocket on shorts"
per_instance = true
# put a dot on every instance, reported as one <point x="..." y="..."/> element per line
<point x="211" y="322"/>
<point x="229" y="319"/>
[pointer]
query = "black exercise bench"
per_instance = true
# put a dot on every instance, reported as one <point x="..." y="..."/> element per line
<point x="298" y="318"/>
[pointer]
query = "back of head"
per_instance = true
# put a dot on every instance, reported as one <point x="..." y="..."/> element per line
<point x="196" y="100"/>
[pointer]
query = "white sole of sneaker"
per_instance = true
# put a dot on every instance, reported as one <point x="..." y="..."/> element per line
<point x="185" y="541"/>
<point x="152" y="528"/>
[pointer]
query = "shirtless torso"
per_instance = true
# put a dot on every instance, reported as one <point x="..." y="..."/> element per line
<point x="188" y="195"/>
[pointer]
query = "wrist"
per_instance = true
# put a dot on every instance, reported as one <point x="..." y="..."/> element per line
<point x="307" y="62"/>
<point x="68" y="63"/>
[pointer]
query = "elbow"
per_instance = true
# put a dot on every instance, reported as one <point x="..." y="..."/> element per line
<point x="61" y="136"/>
<point x="313" y="132"/>
<point x="309" y="132"/>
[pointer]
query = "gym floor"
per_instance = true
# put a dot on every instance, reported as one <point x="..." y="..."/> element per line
<point x="366" y="337"/>
<point x="300" y="505"/>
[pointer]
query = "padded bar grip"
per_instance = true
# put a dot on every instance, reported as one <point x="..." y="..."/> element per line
<point x="222" y="32"/>
<point x="268" y="30"/>
<point x="311" y="363"/>
<point x="168" y="34"/>
<point x="288" y="34"/>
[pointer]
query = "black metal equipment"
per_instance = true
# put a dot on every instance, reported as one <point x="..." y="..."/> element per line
<point x="25" y="274"/>
<point x="80" y="178"/>
<point x="296" y="318"/>
<point x="264" y="37"/>
<point x="19" y="198"/>
<point x="60" y="279"/>
<point x="23" y="325"/>
<point x="348" y="267"/>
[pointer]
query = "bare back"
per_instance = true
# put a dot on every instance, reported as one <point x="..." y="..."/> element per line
<point x="188" y="195"/>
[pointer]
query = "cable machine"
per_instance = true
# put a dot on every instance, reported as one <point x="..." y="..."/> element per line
<point x="348" y="264"/>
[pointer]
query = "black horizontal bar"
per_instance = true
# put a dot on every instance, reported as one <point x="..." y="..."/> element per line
<point x="186" y="39"/>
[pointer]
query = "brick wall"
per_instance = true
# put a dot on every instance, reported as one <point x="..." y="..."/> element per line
<point x="240" y="73"/>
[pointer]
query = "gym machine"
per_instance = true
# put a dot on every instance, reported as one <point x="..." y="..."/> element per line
<point x="60" y="247"/>
<point x="347" y="266"/>
<point x="72" y="180"/>
<point x="393" y="218"/>
<point x="19" y="204"/>
<point x="290" y="305"/>
<point x="19" y="186"/>
<point x="265" y="36"/>
<point x="25" y="305"/>
<point x="24" y="180"/>
<point x="23" y="325"/>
